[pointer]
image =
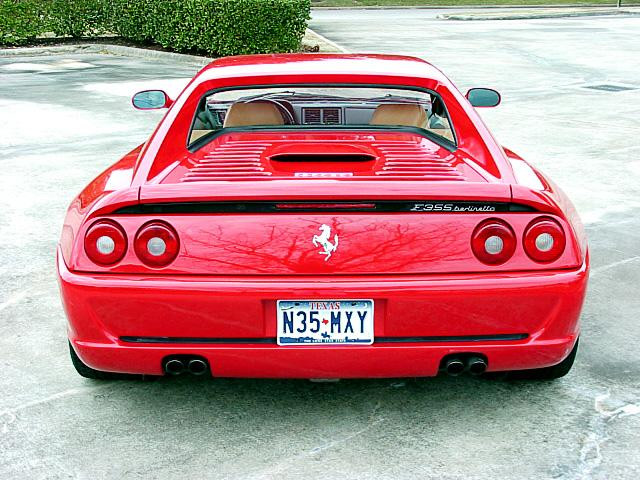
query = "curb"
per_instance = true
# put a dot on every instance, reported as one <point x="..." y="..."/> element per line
<point x="312" y="34"/>
<point x="533" y="15"/>
<point x="104" y="48"/>
<point x="324" y="43"/>
<point x="474" y="7"/>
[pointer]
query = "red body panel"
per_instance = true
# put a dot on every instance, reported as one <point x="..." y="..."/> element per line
<point x="545" y="306"/>
<point x="279" y="244"/>
<point x="218" y="298"/>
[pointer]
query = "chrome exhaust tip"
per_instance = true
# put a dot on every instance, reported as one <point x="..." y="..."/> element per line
<point x="197" y="367"/>
<point x="174" y="367"/>
<point x="476" y="365"/>
<point x="454" y="367"/>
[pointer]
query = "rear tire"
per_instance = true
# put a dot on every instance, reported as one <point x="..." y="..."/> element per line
<point x="547" y="373"/>
<point x="88" y="372"/>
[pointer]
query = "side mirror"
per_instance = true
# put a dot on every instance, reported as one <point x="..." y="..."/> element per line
<point x="151" y="100"/>
<point x="483" y="97"/>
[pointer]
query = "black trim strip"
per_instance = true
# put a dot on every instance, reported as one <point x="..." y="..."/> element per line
<point x="272" y="340"/>
<point x="211" y="136"/>
<point x="417" y="206"/>
<point x="454" y="338"/>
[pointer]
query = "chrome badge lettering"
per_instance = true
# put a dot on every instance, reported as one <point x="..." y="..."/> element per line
<point x="323" y="240"/>
<point x="450" y="207"/>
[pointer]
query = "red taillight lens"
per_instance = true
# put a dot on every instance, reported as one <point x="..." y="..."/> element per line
<point x="156" y="244"/>
<point x="493" y="242"/>
<point x="105" y="242"/>
<point x="544" y="240"/>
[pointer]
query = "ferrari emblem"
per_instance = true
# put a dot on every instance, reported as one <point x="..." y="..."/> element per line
<point x="323" y="240"/>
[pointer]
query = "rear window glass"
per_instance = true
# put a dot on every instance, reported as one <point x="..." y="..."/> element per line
<point x="296" y="107"/>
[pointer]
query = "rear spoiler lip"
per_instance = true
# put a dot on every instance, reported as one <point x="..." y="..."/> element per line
<point x="323" y="190"/>
<point x="335" y="206"/>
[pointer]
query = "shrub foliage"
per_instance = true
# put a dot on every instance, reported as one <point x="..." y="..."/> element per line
<point x="215" y="27"/>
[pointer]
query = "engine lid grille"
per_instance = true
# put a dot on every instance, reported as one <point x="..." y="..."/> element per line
<point x="313" y="155"/>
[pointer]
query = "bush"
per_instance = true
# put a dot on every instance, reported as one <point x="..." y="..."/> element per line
<point x="215" y="27"/>
<point x="77" y="18"/>
<point x="21" y="21"/>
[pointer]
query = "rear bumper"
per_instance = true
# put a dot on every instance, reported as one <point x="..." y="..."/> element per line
<point x="518" y="320"/>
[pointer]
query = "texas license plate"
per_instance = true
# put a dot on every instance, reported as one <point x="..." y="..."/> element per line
<point x="345" y="322"/>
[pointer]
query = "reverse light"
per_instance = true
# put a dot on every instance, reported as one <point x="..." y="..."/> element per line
<point x="156" y="244"/>
<point x="105" y="242"/>
<point x="544" y="240"/>
<point x="493" y="242"/>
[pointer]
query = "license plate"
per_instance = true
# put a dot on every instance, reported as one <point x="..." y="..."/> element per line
<point x="345" y="322"/>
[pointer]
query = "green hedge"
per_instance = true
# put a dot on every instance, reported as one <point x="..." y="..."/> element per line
<point x="215" y="27"/>
<point x="20" y="21"/>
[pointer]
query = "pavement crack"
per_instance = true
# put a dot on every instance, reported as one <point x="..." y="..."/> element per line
<point x="9" y="415"/>
<point x="339" y="441"/>
<point x="604" y="268"/>
<point x="275" y="471"/>
<point x="16" y="298"/>
<point x="591" y="449"/>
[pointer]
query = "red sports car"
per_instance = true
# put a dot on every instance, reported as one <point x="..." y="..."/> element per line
<point x="322" y="216"/>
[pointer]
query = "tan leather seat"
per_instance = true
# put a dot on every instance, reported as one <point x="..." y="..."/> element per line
<point x="403" y="114"/>
<point x="253" y="113"/>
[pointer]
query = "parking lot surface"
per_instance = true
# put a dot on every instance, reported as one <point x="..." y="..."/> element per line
<point x="64" y="118"/>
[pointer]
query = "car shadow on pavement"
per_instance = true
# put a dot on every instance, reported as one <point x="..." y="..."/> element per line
<point x="221" y="402"/>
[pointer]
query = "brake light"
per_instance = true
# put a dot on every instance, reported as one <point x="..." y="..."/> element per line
<point x="544" y="240"/>
<point x="105" y="242"/>
<point x="493" y="242"/>
<point x="325" y="206"/>
<point x="156" y="244"/>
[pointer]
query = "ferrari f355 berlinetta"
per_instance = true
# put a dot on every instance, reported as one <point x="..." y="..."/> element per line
<point x="322" y="216"/>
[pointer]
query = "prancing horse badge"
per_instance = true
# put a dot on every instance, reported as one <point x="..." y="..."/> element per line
<point x="323" y="240"/>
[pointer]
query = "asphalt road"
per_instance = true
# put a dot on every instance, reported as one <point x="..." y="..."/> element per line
<point x="65" y="118"/>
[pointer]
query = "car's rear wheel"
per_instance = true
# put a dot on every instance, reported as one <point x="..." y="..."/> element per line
<point x="88" y="372"/>
<point x="547" y="373"/>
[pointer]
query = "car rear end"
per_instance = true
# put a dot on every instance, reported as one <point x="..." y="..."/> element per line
<point x="325" y="255"/>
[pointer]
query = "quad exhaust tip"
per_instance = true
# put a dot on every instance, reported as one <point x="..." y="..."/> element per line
<point x="174" y="367"/>
<point x="473" y="364"/>
<point x="454" y="367"/>
<point x="180" y="364"/>
<point x="476" y="365"/>
<point x="197" y="367"/>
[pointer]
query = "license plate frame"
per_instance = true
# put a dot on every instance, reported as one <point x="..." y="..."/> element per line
<point x="337" y="328"/>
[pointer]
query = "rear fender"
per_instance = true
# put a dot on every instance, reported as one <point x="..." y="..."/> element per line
<point x="107" y="192"/>
<point x="537" y="190"/>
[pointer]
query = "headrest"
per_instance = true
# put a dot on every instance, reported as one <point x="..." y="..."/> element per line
<point x="253" y="113"/>
<point x="403" y="114"/>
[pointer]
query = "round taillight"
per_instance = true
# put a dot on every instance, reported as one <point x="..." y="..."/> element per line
<point x="156" y="244"/>
<point x="493" y="242"/>
<point x="544" y="240"/>
<point x="105" y="242"/>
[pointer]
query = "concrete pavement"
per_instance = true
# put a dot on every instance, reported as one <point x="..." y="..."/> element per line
<point x="64" y="118"/>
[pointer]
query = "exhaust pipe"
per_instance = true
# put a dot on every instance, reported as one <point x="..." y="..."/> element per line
<point x="174" y="367"/>
<point x="197" y="367"/>
<point x="454" y="367"/>
<point x="476" y="366"/>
